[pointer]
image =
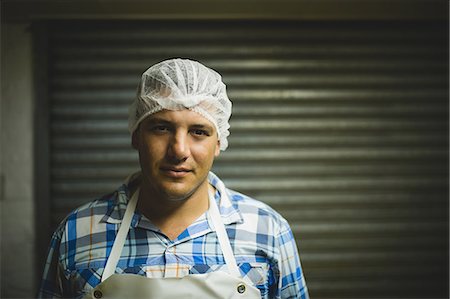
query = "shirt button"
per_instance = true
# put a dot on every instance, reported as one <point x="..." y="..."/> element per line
<point x="98" y="294"/>
<point x="241" y="288"/>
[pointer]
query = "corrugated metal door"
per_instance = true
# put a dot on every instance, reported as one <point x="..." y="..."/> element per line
<point x="342" y="127"/>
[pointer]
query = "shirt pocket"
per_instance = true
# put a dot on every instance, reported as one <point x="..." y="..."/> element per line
<point x="81" y="281"/>
<point x="253" y="273"/>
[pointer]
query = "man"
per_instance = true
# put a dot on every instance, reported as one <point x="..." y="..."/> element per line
<point x="173" y="230"/>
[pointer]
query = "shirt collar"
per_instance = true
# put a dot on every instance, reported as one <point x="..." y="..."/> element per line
<point x="119" y="201"/>
<point x="230" y="212"/>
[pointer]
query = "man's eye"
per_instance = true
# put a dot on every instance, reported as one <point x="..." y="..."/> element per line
<point x="200" y="132"/>
<point x="160" y="129"/>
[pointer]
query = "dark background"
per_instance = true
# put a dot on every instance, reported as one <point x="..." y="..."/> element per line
<point x="340" y="122"/>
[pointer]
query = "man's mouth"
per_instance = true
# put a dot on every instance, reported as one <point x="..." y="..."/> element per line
<point x="175" y="172"/>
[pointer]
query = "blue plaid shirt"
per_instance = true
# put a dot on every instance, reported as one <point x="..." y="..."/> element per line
<point x="261" y="239"/>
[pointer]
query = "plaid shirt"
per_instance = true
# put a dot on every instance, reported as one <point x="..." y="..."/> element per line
<point x="262" y="241"/>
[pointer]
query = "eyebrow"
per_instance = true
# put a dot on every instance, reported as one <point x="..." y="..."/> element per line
<point x="158" y="120"/>
<point x="203" y="126"/>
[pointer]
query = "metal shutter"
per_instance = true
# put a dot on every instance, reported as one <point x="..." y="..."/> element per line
<point x="340" y="126"/>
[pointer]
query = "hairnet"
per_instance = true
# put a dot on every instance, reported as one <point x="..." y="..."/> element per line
<point x="178" y="84"/>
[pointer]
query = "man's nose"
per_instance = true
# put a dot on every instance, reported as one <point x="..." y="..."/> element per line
<point x="179" y="147"/>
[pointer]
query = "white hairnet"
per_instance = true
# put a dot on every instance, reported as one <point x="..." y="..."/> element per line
<point x="178" y="84"/>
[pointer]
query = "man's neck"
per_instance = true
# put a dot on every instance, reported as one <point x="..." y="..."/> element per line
<point x="173" y="217"/>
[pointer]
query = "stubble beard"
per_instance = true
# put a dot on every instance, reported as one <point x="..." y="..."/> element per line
<point x="162" y="193"/>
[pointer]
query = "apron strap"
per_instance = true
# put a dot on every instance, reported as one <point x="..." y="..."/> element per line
<point x="116" y="250"/>
<point x="222" y="235"/>
<point x="216" y="219"/>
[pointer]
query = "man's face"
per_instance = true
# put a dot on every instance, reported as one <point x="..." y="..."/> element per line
<point x="176" y="151"/>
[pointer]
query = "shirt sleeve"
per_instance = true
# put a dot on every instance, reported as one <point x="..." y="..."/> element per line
<point x="291" y="283"/>
<point x="52" y="279"/>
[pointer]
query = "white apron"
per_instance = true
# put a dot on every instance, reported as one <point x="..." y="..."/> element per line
<point x="216" y="284"/>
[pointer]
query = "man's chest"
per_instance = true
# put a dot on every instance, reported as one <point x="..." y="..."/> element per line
<point x="150" y="254"/>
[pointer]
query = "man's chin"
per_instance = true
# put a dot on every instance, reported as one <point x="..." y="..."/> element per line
<point x="177" y="193"/>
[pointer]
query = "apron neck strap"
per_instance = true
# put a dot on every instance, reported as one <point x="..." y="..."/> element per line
<point x="216" y="219"/>
<point x="222" y="235"/>
<point x="116" y="250"/>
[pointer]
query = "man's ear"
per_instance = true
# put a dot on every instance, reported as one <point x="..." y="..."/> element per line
<point x="135" y="139"/>
<point x="217" y="153"/>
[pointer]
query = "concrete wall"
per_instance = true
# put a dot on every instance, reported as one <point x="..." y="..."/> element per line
<point x="16" y="163"/>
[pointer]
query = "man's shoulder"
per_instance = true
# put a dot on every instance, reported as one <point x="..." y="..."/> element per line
<point x="97" y="208"/>
<point x="241" y="199"/>
<point x="248" y="205"/>
<point x="100" y="205"/>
